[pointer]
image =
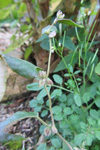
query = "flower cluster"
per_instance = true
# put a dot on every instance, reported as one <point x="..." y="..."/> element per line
<point x="43" y="79"/>
<point x="60" y="15"/>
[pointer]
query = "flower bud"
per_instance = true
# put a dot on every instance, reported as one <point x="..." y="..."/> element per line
<point x="59" y="44"/>
<point x="47" y="131"/>
<point x="52" y="49"/>
<point x="54" y="129"/>
<point x="42" y="82"/>
<point x="49" y="81"/>
<point x="52" y="34"/>
<point x="42" y="74"/>
<point x="60" y="15"/>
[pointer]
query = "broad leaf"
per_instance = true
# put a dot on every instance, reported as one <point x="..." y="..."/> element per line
<point x="77" y="99"/>
<point x="69" y="22"/>
<point x="42" y="146"/>
<point x="45" y="44"/>
<point x="56" y="143"/>
<point x="97" y="133"/>
<point x="94" y="114"/>
<point x="57" y="79"/>
<point x="5" y="3"/>
<point x="53" y="28"/>
<point x="79" y="138"/>
<point x="4" y="136"/>
<point x="68" y="58"/>
<point x="4" y="13"/>
<point x="21" y="67"/>
<point x="97" y="69"/>
<point x="43" y="93"/>
<point x="34" y="87"/>
<point x="43" y="37"/>
<point x="68" y="43"/>
<point x="89" y="139"/>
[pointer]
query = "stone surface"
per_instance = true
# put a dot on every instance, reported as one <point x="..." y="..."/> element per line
<point x="11" y="84"/>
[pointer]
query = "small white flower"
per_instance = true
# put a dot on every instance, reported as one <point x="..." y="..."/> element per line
<point x="59" y="44"/>
<point x="60" y="15"/>
<point x="52" y="34"/>
<point x="52" y="49"/>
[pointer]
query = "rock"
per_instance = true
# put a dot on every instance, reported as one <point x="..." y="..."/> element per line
<point x="12" y="85"/>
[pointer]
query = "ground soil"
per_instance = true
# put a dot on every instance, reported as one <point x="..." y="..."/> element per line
<point x="28" y="128"/>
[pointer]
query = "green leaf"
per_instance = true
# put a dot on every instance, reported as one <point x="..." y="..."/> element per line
<point x="4" y="4"/>
<point x="57" y="79"/>
<point x="86" y="97"/>
<point x="56" y="143"/>
<point x="56" y="92"/>
<point x="4" y="13"/>
<point x="58" y="117"/>
<point x="68" y="58"/>
<point x="34" y="87"/>
<point x="45" y="44"/>
<point x="42" y="147"/>
<point x="43" y="93"/>
<point x="21" y="67"/>
<point x="77" y="99"/>
<point x="63" y="98"/>
<point x="89" y="139"/>
<point x="40" y="101"/>
<point x="37" y="109"/>
<point x="4" y="136"/>
<point x="67" y="111"/>
<point x="44" y="113"/>
<point x="94" y="114"/>
<point x="97" y="102"/>
<point x="56" y="110"/>
<point x="68" y="43"/>
<point x="79" y="138"/>
<point x="97" y="69"/>
<point x="69" y="22"/>
<point x="17" y="43"/>
<point x="53" y="28"/>
<point x="28" y="51"/>
<point x="33" y="103"/>
<point x="43" y="37"/>
<point x="97" y="134"/>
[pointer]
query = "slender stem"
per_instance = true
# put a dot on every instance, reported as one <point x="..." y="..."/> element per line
<point x="49" y="59"/>
<point x="65" y="141"/>
<point x="42" y="121"/>
<point x="68" y="70"/>
<point x="62" y="88"/>
<point x="50" y="105"/>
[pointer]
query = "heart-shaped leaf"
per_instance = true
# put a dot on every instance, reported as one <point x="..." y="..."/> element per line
<point x="69" y="22"/>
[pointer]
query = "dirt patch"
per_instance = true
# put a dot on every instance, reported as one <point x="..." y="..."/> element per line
<point x="28" y="128"/>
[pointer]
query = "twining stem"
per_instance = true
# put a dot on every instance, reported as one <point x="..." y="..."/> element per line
<point x="50" y="105"/>
<point x="65" y="141"/>
<point x="49" y="59"/>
